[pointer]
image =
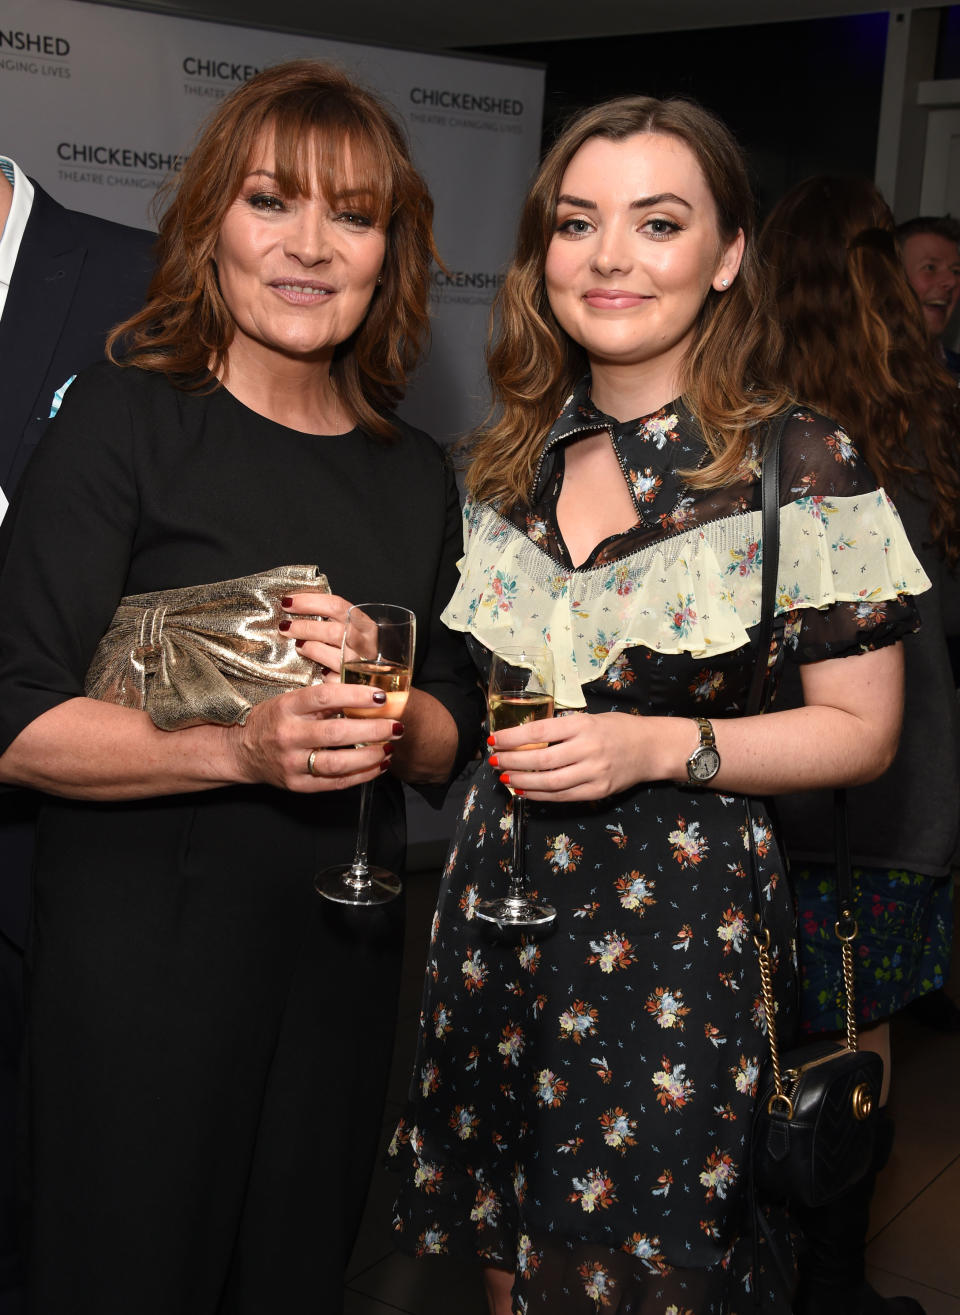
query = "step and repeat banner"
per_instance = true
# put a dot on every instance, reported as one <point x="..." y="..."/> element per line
<point x="100" y="104"/>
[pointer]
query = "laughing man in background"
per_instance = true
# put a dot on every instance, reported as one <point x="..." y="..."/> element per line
<point x="931" y="257"/>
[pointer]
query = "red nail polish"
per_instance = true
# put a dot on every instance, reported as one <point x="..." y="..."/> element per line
<point x="504" y="778"/>
<point x="284" y="625"/>
<point x="299" y="643"/>
<point x="387" y="750"/>
<point x="519" y="793"/>
<point x="286" y="601"/>
<point x="491" y="740"/>
<point x="384" y="767"/>
<point x="379" y="696"/>
<point x="398" y="728"/>
<point x="494" y="760"/>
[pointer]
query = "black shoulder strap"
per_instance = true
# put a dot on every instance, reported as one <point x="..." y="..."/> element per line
<point x="769" y="558"/>
<point x="841" y="838"/>
<point x="756" y="700"/>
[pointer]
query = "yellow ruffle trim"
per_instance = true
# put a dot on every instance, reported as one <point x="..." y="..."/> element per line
<point x="697" y="592"/>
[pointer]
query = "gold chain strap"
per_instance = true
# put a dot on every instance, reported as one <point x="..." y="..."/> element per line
<point x="847" y="937"/>
<point x="779" y="1097"/>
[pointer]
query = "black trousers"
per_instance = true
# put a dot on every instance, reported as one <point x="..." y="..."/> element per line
<point x="208" y="1051"/>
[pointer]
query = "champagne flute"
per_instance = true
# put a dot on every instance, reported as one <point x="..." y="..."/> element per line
<point x="377" y="651"/>
<point x="520" y="692"/>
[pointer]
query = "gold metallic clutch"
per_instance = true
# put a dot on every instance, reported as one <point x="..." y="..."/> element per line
<point x="206" y="653"/>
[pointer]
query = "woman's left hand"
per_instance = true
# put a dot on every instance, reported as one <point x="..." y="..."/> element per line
<point x="316" y="622"/>
<point x="588" y="755"/>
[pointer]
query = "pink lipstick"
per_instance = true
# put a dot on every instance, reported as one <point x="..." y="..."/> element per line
<point x="613" y="298"/>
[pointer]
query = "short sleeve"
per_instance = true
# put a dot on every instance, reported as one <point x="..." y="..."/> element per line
<point x="826" y="485"/>
<point x="65" y="548"/>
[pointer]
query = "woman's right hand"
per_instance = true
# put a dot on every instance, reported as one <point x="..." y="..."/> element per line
<point x="276" y="743"/>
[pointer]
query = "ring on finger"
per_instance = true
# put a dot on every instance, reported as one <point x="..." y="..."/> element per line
<point x="311" y="761"/>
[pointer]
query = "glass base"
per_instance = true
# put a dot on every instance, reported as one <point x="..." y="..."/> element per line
<point x="515" y="911"/>
<point x="343" y="885"/>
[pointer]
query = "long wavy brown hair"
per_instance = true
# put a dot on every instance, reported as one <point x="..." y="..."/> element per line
<point x="316" y="116"/>
<point x="533" y="362"/>
<point x="855" y="344"/>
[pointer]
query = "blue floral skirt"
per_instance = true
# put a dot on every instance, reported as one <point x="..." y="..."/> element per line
<point x="905" y="922"/>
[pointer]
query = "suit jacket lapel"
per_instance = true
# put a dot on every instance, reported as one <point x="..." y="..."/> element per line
<point x="44" y="282"/>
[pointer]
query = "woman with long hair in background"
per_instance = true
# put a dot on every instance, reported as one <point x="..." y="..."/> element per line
<point x="855" y="345"/>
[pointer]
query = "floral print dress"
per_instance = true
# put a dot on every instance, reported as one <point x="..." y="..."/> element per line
<point x="581" y="1101"/>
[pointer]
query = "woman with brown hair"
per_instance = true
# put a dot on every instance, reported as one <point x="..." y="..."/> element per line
<point x="209" y="1039"/>
<point x="581" y="1102"/>
<point x="855" y="344"/>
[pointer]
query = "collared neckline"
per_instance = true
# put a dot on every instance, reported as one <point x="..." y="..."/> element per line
<point x="16" y="224"/>
<point x="650" y="450"/>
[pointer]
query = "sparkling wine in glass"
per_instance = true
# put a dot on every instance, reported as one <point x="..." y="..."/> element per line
<point x="377" y="651"/>
<point x="520" y="692"/>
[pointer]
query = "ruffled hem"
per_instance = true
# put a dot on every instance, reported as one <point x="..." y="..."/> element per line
<point x="439" y="1213"/>
<point x="697" y="592"/>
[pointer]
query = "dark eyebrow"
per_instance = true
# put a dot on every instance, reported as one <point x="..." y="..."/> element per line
<point x="645" y="202"/>
<point x="642" y="203"/>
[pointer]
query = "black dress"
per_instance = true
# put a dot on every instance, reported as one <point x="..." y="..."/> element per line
<point x="209" y="1039"/>
<point x="580" y="1104"/>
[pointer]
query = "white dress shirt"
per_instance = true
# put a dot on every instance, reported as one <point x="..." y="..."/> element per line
<point x="13" y="229"/>
<point x="11" y="238"/>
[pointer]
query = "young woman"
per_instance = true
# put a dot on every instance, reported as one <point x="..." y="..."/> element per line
<point x="858" y="348"/>
<point x="581" y="1104"/>
<point x="210" y="1040"/>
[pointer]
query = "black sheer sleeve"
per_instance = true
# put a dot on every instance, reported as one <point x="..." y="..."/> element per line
<point x="820" y="472"/>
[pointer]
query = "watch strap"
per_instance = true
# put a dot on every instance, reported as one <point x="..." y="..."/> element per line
<point x="707" y="738"/>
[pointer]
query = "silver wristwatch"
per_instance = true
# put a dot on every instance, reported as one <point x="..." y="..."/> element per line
<point x="704" y="763"/>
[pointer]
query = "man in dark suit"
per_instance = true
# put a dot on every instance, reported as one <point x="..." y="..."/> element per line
<point x="65" y="279"/>
<point x="74" y="277"/>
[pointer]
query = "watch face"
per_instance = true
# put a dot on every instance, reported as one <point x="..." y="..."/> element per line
<point x="704" y="764"/>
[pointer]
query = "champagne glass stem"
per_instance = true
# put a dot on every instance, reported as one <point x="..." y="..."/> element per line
<point x="360" y="868"/>
<point x="377" y="648"/>
<point x="518" y="883"/>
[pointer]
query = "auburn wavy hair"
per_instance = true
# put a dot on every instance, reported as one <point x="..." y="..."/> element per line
<point x="855" y="343"/>
<point x="317" y="117"/>
<point x="533" y="363"/>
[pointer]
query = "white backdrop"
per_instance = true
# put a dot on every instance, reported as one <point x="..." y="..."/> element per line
<point x="99" y="104"/>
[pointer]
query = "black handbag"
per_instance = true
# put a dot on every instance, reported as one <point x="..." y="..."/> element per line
<point x="816" y="1111"/>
